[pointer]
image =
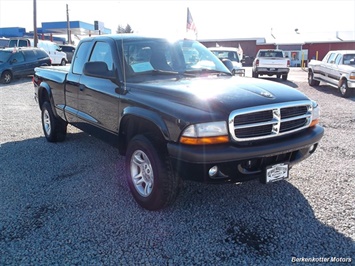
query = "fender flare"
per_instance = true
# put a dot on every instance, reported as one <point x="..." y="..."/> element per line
<point x="147" y="115"/>
<point x="342" y="79"/>
<point x="40" y="94"/>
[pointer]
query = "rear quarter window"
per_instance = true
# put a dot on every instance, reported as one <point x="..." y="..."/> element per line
<point x="81" y="57"/>
<point x="30" y="55"/>
<point x="41" y="54"/>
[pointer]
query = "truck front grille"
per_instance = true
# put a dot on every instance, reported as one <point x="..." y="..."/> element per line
<point x="269" y="121"/>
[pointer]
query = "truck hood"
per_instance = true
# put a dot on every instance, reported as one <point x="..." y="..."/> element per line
<point x="220" y="93"/>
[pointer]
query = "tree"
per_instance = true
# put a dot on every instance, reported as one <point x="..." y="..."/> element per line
<point x="121" y="29"/>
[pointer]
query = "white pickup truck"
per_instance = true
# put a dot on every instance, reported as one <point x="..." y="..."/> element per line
<point x="337" y="69"/>
<point x="271" y="62"/>
<point x="232" y="54"/>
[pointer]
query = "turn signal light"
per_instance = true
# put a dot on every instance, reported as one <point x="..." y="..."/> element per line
<point x="204" y="140"/>
<point x="314" y="122"/>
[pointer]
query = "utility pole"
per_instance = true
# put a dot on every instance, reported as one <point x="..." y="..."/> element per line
<point x="68" y="26"/>
<point x="35" y="35"/>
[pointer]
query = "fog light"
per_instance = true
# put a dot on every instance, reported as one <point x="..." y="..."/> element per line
<point x="312" y="148"/>
<point x="213" y="171"/>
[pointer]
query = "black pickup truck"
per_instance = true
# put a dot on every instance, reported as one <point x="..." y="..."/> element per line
<point x="176" y="112"/>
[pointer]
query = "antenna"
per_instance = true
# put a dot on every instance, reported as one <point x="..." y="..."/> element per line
<point x="68" y="26"/>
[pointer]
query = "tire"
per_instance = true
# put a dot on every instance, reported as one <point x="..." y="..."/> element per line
<point x="278" y="76"/>
<point x="284" y="77"/>
<point x="255" y="75"/>
<point x="54" y="129"/>
<point x="6" y="77"/>
<point x="150" y="176"/>
<point x="311" y="80"/>
<point x="63" y="62"/>
<point x="344" y="89"/>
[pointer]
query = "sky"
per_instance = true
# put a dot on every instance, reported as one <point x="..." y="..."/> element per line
<point x="214" y="19"/>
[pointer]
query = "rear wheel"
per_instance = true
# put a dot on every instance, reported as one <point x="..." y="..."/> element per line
<point x="284" y="77"/>
<point x="150" y="176"/>
<point x="6" y="77"/>
<point x="54" y="129"/>
<point x="344" y="89"/>
<point x="311" y="80"/>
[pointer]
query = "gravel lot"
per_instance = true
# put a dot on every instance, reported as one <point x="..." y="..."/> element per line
<point x="69" y="204"/>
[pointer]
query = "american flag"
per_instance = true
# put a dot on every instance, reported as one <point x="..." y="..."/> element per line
<point x="190" y="24"/>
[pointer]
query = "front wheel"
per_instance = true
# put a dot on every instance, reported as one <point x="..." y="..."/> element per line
<point x="344" y="89"/>
<point x="150" y="176"/>
<point x="63" y="62"/>
<point x="54" y="129"/>
<point x="311" y="80"/>
<point x="6" y="77"/>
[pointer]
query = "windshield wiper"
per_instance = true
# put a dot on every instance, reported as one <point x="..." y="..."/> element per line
<point x="207" y="71"/>
<point x="167" y="72"/>
<point x="157" y="71"/>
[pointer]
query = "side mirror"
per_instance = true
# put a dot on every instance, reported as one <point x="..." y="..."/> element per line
<point x="98" y="69"/>
<point x="228" y="63"/>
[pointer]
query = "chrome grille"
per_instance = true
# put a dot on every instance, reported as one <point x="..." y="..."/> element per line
<point x="269" y="120"/>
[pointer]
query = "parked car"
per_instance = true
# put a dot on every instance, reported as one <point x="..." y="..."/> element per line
<point x="19" y="62"/>
<point x="336" y="69"/>
<point x="271" y="62"/>
<point x="53" y="50"/>
<point x="232" y="54"/>
<point x="69" y="50"/>
<point x="20" y="42"/>
<point x="176" y="112"/>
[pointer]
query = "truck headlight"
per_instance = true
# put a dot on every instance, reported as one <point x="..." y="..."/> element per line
<point x="205" y="133"/>
<point x="315" y="114"/>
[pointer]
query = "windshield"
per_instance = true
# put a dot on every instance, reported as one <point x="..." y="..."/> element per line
<point x="231" y="55"/>
<point x="157" y="56"/>
<point x="349" y="59"/>
<point x="4" y="56"/>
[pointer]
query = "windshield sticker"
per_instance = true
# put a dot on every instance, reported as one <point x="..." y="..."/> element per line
<point x="142" y="67"/>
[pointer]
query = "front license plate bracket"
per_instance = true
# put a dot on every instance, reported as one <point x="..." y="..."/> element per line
<point x="276" y="172"/>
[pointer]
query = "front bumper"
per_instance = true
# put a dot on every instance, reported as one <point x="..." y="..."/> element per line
<point x="239" y="72"/>
<point x="243" y="162"/>
<point x="351" y="84"/>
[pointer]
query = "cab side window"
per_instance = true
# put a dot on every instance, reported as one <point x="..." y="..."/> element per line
<point x="338" y="59"/>
<point x="102" y="52"/>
